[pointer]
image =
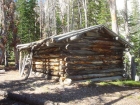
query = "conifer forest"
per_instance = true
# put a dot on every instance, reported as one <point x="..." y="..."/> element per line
<point x="25" y="21"/>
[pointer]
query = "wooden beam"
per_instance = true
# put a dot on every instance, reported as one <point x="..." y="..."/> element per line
<point x="91" y="67"/>
<point x="91" y="58"/>
<point x="89" y="76"/>
<point x="102" y="79"/>
<point x="77" y="46"/>
<point x="102" y="42"/>
<point x="93" y="63"/>
<point x="81" y="52"/>
<point x="46" y="56"/>
<point x="91" y="71"/>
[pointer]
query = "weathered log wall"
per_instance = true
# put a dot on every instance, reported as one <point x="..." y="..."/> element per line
<point x="86" y="58"/>
<point x="50" y="66"/>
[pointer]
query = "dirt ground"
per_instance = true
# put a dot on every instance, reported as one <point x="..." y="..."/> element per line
<point x="75" y="94"/>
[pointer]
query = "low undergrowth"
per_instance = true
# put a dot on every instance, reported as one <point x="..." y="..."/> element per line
<point x="121" y="83"/>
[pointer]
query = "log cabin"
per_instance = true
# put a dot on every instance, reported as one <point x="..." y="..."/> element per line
<point x="95" y="53"/>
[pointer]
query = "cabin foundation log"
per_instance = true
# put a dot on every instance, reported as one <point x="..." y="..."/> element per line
<point x="80" y="72"/>
<point x="102" y="79"/>
<point x="90" y="76"/>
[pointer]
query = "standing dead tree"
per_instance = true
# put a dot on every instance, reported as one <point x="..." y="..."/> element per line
<point x="112" y="4"/>
<point x="8" y="26"/>
<point x="50" y="18"/>
<point x="3" y="34"/>
<point x="125" y="15"/>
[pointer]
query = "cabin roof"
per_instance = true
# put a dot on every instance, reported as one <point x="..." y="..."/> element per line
<point x="69" y="36"/>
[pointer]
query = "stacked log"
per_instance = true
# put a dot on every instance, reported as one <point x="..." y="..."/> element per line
<point x="48" y="61"/>
<point x="46" y="64"/>
<point x="89" y="57"/>
<point x="92" y="59"/>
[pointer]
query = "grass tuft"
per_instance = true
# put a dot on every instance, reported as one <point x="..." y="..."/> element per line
<point x="121" y="83"/>
<point x="138" y="97"/>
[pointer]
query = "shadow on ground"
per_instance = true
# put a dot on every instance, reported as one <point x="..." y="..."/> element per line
<point x="64" y="94"/>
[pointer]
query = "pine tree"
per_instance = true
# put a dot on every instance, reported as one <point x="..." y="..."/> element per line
<point x="28" y="26"/>
<point x="98" y="13"/>
<point x="135" y="31"/>
<point x="71" y="14"/>
<point x="104" y="14"/>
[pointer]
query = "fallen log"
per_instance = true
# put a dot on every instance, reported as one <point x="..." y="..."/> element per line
<point x="25" y="98"/>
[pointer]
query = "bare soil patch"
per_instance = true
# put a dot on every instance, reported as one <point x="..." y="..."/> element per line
<point x="76" y="94"/>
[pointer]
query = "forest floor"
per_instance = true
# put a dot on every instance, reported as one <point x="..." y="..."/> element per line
<point x="75" y="94"/>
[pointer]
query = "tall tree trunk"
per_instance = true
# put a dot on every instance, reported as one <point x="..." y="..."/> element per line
<point x="16" y="57"/>
<point x="4" y="30"/>
<point x="80" y="15"/>
<point x="72" y="17"/>
<point x="13" y="28"/>
<point x="4" y="18"/>
<point x="68" y="16"/>
<point x="125" y="14"/>
<point x="40" y="19"/>
<point x="85" y="10"/>
<point x="8" y="25"/>
<point x="0" y="17"/>
<point x="54" y="17"/>
<point x="112" y="4"/>
<point x="63" y="11"/>
<point x="50" y="17"/>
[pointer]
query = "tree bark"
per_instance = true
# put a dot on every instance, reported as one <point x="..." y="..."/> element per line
<point x="125" y="14"/>
<point x="85" y="10"/>
<point x="112" y="4"/>
<point x="68" y="16"/>
<point x="80" y="15"/>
